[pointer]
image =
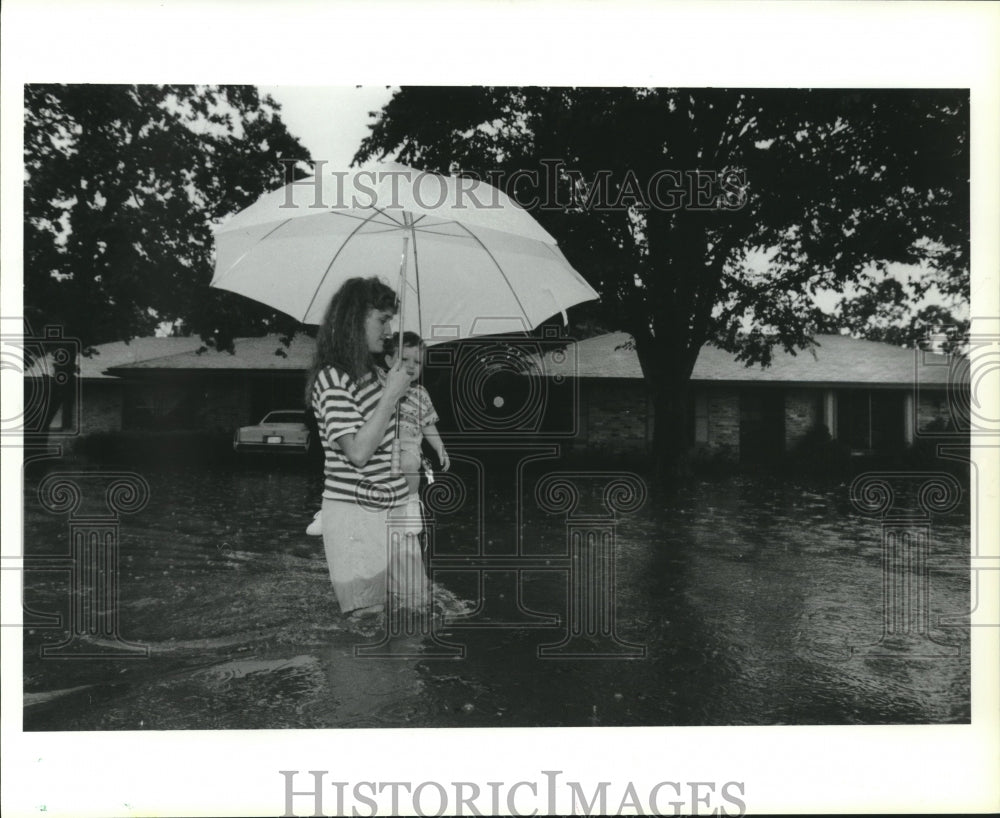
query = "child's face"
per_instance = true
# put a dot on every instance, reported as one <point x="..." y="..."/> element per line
<point x="412" y="361"/>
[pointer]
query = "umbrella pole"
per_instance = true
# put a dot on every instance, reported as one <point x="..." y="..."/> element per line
<point x="395" y="467"/>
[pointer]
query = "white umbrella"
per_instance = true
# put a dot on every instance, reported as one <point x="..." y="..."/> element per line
<point x="474" y="262"/>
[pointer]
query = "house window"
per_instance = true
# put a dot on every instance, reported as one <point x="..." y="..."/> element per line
<point x="871" y="420"/>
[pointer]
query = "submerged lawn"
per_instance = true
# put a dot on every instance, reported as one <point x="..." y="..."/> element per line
<point x="736" y="600"/>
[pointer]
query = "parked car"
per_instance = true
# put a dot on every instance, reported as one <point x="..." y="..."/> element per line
<point x="284" y="430"/>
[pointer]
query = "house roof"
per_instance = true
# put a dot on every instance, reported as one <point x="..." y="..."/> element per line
<point x="250" y="354"/>
<point x="836" y="359"/>
<point x="120" y="353"/>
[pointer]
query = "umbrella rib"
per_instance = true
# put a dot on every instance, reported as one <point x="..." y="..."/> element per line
<point x="380" y="211"/>
<point x="333" y="261"/>
<point x="387" y="229"/>
<point x="430" y="232"/>
<point x="513" y="292"/>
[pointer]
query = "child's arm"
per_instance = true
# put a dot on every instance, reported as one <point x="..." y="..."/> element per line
<point x="431" y="435"/>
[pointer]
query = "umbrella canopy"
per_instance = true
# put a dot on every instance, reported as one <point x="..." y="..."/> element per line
<point x="474" y="261"/>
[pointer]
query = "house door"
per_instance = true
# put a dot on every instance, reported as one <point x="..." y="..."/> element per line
<point x="762" y="425"/>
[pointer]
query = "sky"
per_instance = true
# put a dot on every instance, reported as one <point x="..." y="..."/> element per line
<point x="330" y="121"/>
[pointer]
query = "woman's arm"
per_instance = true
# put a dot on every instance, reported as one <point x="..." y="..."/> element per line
<point x="359" y="446"/>
<point x="431" y="434"/>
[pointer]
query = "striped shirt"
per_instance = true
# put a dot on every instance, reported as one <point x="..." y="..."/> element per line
<point x="342" y="406"/>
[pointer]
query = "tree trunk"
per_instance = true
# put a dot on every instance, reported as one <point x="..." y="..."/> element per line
<point x="670" y="428"/>
<point x="667" y="376"/>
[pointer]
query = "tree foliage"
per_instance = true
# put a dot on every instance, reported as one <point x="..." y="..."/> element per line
<point x="826" y="190"/>
<point x="123" y="184"/>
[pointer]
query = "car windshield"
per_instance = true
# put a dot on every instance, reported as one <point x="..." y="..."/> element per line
<point x="284" y="417"/>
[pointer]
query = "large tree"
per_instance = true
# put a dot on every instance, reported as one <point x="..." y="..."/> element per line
<point x="123" y="184"/>
<point x="715" y="214"/>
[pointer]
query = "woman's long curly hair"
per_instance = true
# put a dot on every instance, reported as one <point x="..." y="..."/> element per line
<point x="341" y="340"/>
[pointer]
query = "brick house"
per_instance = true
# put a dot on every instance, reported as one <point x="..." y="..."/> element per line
<point x="166" y="384"/>
<point x="212" y="391"/>
<point x="871" y="397"/>
<point x="106" y="403"/>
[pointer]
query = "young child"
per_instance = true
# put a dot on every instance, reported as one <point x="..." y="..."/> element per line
<point x="417" y="419"/>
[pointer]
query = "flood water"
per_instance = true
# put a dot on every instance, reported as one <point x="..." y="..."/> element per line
<point x="747" y="599"/>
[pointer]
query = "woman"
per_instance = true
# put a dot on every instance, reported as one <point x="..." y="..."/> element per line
<point x="368" y="558"/>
